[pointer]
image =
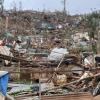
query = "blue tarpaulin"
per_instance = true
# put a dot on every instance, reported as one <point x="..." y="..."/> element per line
<point x="4" y="82"/>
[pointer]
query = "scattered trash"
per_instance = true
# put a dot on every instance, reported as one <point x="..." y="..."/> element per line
<point x="52" y="46"/>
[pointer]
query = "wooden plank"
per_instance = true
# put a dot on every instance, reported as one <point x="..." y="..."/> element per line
<point x="79" y="96"/>
<point x="16" y="59"/>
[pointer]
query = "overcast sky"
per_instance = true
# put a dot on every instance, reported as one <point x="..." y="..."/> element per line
<point x="73" y="6"/>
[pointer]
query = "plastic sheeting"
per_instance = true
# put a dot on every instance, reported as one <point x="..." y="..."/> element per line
<point x="5" y="51"/>
<point x="57" y="54"/>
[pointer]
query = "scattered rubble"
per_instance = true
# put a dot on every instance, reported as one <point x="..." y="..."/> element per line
<point x="50" y="54"/>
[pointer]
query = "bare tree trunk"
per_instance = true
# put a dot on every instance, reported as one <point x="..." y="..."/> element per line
<point x="98" y="43"/>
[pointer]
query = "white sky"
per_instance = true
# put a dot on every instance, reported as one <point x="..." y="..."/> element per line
<point x="73" y="6"/>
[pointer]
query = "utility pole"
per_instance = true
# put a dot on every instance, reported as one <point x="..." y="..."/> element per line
<point x="20" y="6"/>
<point x="14" y="6"/>
<point x="64" y="6"/>
<point x="1" y="6"/>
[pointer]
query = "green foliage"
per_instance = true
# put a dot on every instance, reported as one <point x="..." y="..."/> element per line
<point x="92" y="22"/>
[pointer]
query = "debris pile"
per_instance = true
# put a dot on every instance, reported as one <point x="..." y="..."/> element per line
<point x="52" y="54"/>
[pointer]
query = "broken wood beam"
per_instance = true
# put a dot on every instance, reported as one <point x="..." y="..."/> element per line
<point x="16" y="59"/>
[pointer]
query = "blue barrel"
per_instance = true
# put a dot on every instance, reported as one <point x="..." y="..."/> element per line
<point x="4" y="76"/>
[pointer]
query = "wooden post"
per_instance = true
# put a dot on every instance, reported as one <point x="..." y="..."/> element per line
<point x="98" y="43"/>
<point x="6" y="24"/>
<point x="19" y="69"/>
<point x="39" y="86"/>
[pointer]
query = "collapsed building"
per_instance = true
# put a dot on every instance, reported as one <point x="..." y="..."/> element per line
<point x="52" y="54"/>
